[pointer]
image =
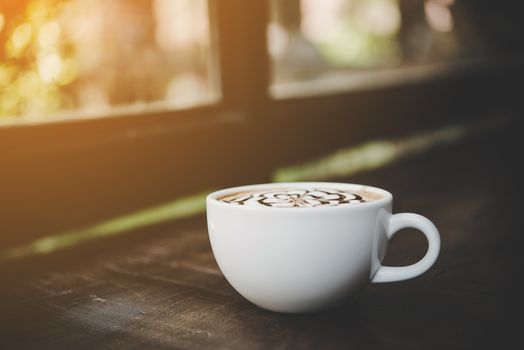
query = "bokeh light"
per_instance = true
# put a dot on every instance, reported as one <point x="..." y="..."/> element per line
<point x="439" y="15"/>
<point x="94" y="55"/>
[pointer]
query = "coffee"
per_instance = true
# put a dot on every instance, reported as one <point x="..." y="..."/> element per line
<point x="300" y="197"/>
<point x="307" y="259"/>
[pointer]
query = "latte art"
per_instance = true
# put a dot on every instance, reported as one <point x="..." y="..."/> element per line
<point x="296" y="198"/>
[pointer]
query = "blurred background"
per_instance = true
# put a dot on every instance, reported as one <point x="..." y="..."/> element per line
<point x="79" y="57"/>
<point x="132" y="110"/>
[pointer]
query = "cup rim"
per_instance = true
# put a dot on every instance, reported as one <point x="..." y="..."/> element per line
<point x="388" y="197"/>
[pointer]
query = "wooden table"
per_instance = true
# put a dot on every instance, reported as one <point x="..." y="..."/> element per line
<point x="161" y="289"/>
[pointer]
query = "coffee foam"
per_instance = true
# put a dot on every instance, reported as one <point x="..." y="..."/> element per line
<point x="300" y="197"/>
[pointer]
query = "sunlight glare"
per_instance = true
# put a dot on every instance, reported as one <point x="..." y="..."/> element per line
<point x="2" y="21"/>
<point x="379" y="17"/>
<point x="49" y="66"/>
<point x="180" y="23"/>
<point x="438" y="16"/>
<point x="49" y="34"/>
<point x="321" y="20"/>
<point x="278" y="39"/>
<point x="20" y="39"/>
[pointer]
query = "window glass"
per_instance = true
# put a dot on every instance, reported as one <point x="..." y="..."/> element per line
<point x="321" y="40"/>
<point x="97" y="57"/>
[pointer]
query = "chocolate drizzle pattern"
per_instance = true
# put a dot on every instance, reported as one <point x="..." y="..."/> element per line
<point x="294" y="198"/>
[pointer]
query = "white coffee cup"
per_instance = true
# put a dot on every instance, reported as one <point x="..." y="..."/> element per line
<point x="307" y="259"/>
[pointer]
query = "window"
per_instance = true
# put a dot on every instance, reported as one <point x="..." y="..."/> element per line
<point x="199" y="76"/>
<point x="98" y="57"/>
<point x="342" y="44"/>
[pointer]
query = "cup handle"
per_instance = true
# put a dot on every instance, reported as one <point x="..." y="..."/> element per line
<point x="398" y="222"/>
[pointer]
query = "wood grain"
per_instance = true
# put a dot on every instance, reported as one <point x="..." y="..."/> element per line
<point x="162" y="289"/>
